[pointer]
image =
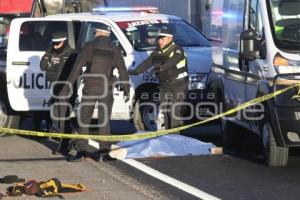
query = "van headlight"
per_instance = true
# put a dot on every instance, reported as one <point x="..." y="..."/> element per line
<point x="285" y="66"/>
<point x="197" y="81"/>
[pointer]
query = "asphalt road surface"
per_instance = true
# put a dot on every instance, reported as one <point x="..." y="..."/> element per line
<point x="238" y="174"/>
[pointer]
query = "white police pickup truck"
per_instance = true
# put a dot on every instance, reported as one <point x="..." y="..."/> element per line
<point x="133" y="31"/>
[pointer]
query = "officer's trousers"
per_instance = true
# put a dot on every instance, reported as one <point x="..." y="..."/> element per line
<point x="172" y="99"/>
<point x="87" y="107"/>
<point x="60" y="112"/>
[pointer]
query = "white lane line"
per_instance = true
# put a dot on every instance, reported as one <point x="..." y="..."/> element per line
<point x="167" y="179"/>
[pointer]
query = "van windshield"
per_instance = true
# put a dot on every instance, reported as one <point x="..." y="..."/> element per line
<point x="142" y="34"/>
<point x="285" y="22"/>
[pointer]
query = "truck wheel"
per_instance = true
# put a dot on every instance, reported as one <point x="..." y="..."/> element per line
<point x="145" y="117"/>
<point x="7" y="119"/>
<point x="275" y="156"/>
<point x="231" y="136"/>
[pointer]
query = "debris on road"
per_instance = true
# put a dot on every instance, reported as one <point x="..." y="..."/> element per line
<point x="2" y="195"/>
<point x="216" y="150"/>
<point x="10" y="179"/>
<point x="50" y="188"/>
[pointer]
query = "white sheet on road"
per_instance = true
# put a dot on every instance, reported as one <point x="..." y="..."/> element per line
<point x="167" y="145"/>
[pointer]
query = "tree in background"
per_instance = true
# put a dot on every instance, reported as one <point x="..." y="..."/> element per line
<point x="87" y="6"/>
<point x="54" y="7"/>
<point x="72" y="6"/>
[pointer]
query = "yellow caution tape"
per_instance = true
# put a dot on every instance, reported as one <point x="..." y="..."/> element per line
<point x="130" y="137"/>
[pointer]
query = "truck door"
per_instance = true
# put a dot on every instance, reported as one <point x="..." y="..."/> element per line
<point x="27" y="87"/>
<point x="255" y="69"/>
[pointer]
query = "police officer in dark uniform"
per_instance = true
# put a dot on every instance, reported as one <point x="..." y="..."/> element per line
<point x="170" y="67"/>
<point x="57" y="63"/>
<point x="100" y="57"/>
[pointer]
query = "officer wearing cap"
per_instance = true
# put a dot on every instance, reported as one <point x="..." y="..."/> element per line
<point x="170" y="67"/>
<point x="100" y="57"/>
<point x="57" y="64"/>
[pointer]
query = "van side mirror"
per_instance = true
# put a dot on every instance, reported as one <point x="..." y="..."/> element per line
<point x="250" y="45"/>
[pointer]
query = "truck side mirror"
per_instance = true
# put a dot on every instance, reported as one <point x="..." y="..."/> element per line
<point x="250" y="45"/>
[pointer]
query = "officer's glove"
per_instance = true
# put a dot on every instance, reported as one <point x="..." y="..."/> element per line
<point x="126" y="97"/>
<point x="132" y="72"/>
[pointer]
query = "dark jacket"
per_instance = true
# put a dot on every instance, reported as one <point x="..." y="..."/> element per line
<point x="170" y="64"/>
<point x="100" y="57"/>
<point x="58" y="65"/>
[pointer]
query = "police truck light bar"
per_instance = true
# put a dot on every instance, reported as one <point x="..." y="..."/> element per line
<point x="145" y="9"/>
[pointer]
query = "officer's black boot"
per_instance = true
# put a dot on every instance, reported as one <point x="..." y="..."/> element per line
<point x="57" y="151"/>
<point x="63" y="148"/>
<point x="78" y="157"/>
<point x="103" y="155"/>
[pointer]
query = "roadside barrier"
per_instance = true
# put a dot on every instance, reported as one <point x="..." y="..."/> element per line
<point x="131" y="137"/>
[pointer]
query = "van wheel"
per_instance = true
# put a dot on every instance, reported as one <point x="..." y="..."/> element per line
<point x="7" y="119"/>
<point x="274" y="155"/>
<point x="231" y="134"/>
<point x="145" y="117"/>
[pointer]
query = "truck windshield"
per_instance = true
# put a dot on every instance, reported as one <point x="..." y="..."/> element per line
<point x="285" y="22"/>
<point x="142" y="34"/>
